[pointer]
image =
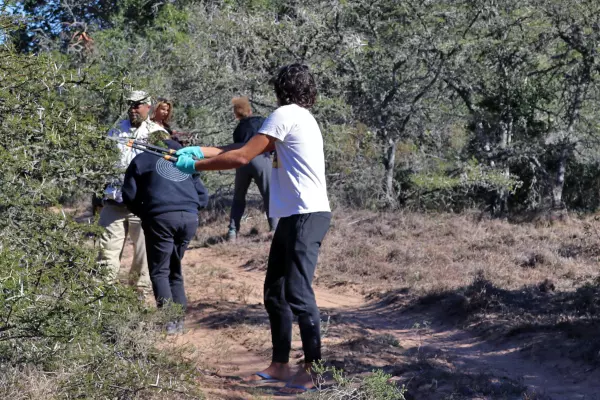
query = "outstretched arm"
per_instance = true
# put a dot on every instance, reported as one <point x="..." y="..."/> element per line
<point x="210" y="152"/>
<point x="231" y="156"/>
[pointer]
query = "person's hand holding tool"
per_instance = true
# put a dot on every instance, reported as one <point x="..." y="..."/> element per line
<point x="194" y="151"/>
<point x="185" y="163"/>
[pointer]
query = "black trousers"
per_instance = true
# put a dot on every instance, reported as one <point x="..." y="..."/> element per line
<point x="258" y="170"/>
<point x="167" y="237"/>
<point x="288" y="285"/>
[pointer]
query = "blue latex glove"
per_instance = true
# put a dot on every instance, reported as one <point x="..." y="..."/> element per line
<point x="191" y="151"/>
<point x="185" y="163"/>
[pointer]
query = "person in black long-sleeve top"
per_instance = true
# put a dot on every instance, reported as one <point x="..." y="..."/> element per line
<point x="259" y="169"/>
<point x="167" y="202"/>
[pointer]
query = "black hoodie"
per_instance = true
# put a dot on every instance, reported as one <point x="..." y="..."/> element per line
<point x="155" y="186"/>
<point x="247" y="128"/>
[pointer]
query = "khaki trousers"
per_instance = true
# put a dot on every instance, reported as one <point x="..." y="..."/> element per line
<point x="118" y="222"/>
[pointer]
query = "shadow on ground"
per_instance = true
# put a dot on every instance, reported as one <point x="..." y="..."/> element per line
<point x="229" y="314"/>
<point x="543" y="320"/>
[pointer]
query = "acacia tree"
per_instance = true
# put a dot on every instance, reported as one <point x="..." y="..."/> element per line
<point x="526" y="75"/>
<point x="71" y="24"/>
<point x="495" y="74"/>
<point x="203" y="54"/>
<point x="573" y="72"/>
<point x="394" y="74"/>
<point x="60" y="320"/>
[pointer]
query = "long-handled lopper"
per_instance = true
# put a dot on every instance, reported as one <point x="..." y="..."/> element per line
<point x="167" y="154"/>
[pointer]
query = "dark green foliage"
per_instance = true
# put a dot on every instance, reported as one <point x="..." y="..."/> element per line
<point x="58" y="315"/>
<point x="52" y="143"/>
<point x="510" y="86"/>
<point x="435" y="105"/>
<point x="57" y="23"/>
<point x="375" y="386"/>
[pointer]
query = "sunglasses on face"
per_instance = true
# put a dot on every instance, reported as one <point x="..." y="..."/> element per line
<point x="134" y="104"/>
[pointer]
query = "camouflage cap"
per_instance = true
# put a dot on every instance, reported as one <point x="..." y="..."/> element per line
<point x="138" y="96"/>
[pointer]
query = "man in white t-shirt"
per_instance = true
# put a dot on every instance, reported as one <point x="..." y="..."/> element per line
<point x="298" y="197"/>
<point x="117" y="220"/>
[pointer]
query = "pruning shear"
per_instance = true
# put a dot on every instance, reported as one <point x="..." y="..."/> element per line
<point x="167" y="154"/>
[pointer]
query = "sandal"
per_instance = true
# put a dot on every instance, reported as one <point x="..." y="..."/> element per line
<point x="264" y="378"/>
<point x="302" y="389"/>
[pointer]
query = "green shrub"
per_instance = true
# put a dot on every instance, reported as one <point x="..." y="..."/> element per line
<point x="375" y="386"/>
<point x="64" y="332"/>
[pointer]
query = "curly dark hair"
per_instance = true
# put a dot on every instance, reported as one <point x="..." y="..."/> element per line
<point x="294" y="84"/>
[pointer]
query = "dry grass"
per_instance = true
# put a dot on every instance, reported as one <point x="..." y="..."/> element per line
<point x="534" y="283"/>
<point x="27" y="382"/>
<point x="151" y="377"/>
<point x="429" y="254"/>
<point x="500" y="279"/>
<point x="439" y="252"/>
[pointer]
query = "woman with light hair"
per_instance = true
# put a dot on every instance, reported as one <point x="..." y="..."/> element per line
<point x="162" y="114"/>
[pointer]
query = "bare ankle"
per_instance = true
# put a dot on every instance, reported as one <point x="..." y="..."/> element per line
<point x="282" y="370"/>
<point x="279" y="364"/>
<point x="278" y="371"/>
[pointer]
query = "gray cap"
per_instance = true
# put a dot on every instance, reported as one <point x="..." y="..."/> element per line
<point x="139" y="96"/>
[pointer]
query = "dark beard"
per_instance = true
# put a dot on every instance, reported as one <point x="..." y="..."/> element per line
<point x="136" y="120"/>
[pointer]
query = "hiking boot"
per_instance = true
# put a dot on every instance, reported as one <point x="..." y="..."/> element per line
<point x="174" y="327"/>
<point x="180" y="326"/>
<point x="171" y="328"/>
<point x="231" y="235"/>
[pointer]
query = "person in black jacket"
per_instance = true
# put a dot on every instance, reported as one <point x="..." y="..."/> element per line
<point x="167" y="202"/>
<point x="258" y="170"/>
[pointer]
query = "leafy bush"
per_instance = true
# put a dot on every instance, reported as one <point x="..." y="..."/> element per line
<point x="61" y="324"/>
<point x="375" y="386"/>
<point x="457" y="186"/>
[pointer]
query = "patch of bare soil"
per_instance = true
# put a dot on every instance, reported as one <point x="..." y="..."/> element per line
<point x="465" y="340"/>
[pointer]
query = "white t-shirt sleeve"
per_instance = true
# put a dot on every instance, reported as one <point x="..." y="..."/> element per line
<point x="275" y="125"/>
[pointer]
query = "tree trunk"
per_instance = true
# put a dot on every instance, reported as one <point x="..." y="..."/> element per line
<point x="567" y="143"/>
<point x="388" y="180"/>
<point x="559" y="181"/>
<point x="501" y="207"/>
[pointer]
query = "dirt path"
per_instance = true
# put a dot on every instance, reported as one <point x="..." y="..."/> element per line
<point x="228" y="325"/>
<point x="440" y="361"/>
<point x="228" y="330"/>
